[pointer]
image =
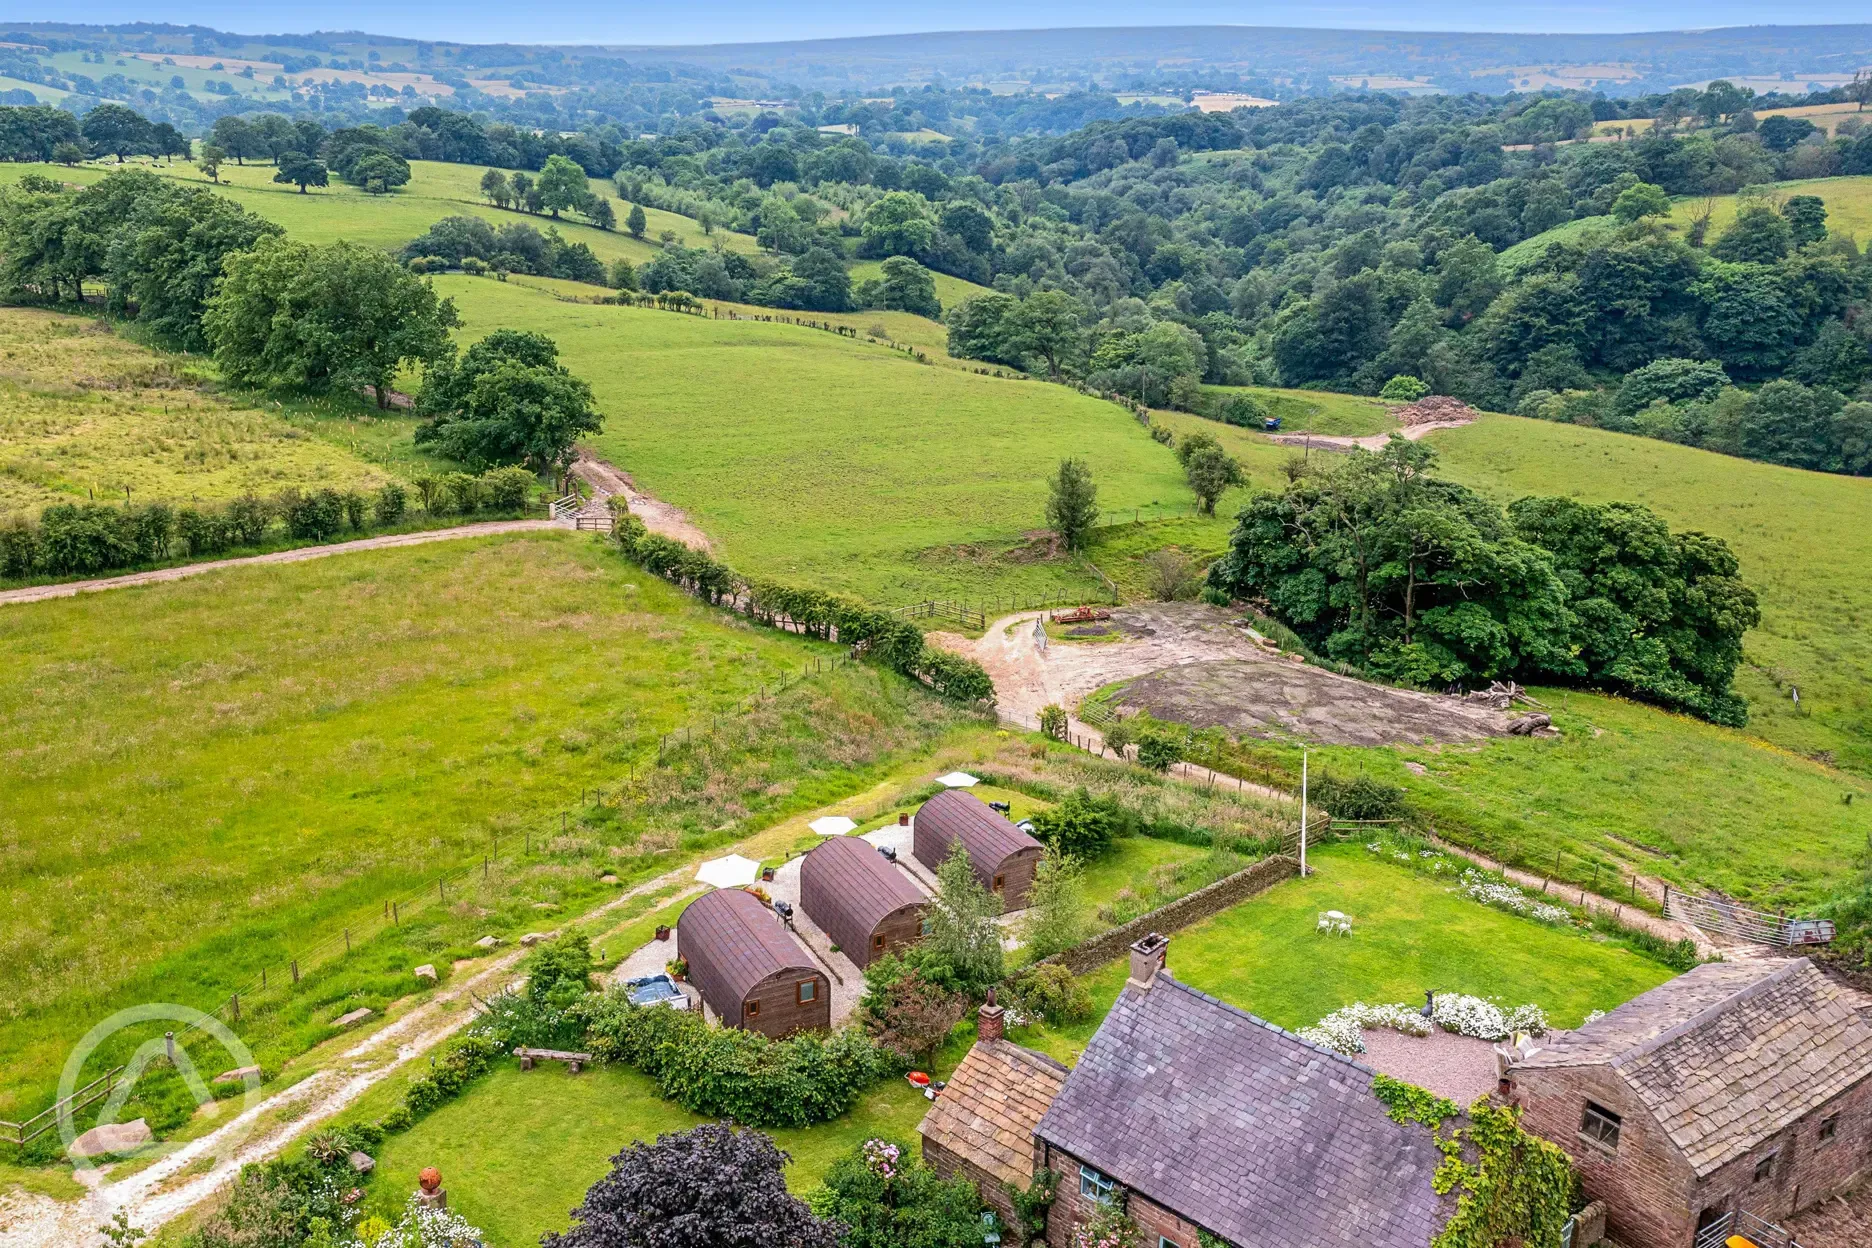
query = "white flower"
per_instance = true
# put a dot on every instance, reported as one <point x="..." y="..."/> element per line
<point x="1502" y="896"/>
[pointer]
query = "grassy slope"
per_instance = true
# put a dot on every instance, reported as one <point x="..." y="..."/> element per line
<point x="813" y="457"/>
<point x="87" y="413"/>
<point x="1815" y="597"/>
<point x="219" y="771"/>
<point x="1848" y="201"/>
<point x="435" y="190"/>
<point x="1314" y="411"/>
<point x="949" y="290"/>
<point x="558" y="1131"/>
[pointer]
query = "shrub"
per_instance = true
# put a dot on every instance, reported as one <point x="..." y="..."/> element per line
<point x="1359" y="798"/>
<point x="1080" y="825"/>
<point x="1244" y="410"/>
<point x="474" y="266"/>
<point x="1053" y="721"/>
<point x="391" y="502"/>
<point x="1161" y="746"/>
<point x="1047" y="992"/>
<point x="724" y="1072"/>
<point x="312" y="517"/>
<point x="911" y="1016"/>
<point x="506" y="489"/>
<point x="885" y="1198"/>
<point x="1404" y="388"/>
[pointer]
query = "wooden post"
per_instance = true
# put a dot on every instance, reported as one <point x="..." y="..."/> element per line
<point x="395" y="918"/>
<point x="347" y="940"/>
<point x="484" y="866"/>
<point x="263" y="979"/>
<point x="295" y="970"/>
<point x="234" y="1002"/>
<point x="441" y="893"/>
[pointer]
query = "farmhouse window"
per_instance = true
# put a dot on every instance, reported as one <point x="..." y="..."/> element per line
<point x="752" y="1008"/>
<point x="928" y="925"/>
<point x="808" y="991"/>
<point x="1764" y="1169"/>
<point x="1600" y="1126"/>
<point x="999" y="881"/>
<point x="1164" y="1241"/>
<point x="1829" y="1127"/>
<point x="1095" y="1186"/>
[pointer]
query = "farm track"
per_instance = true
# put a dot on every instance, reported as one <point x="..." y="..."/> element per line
<point x="1371" y="442"/>
<point x="71" y="589"/>
<point x="605" y="480"/>
<point x="169" y="1189"/>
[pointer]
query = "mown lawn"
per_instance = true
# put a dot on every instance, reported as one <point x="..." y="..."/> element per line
<point x="812" y="457"/>
<point x="518" y="1150"/>
<point x="85" y="413"/>
<point x="1412" y="933"/>
<point x="207" y="777"/>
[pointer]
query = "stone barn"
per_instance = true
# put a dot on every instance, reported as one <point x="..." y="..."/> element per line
<point x="864" y="902"/>
<point x="1737" y="1094"/>
<point x="749" y="969"/>
<point x="1004" y="857"/>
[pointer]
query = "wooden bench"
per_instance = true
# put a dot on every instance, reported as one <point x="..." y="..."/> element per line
<point x="574" y="1061"/>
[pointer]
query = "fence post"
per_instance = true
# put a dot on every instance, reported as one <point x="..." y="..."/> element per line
<point x="441" y="894"/>
<point x="295" y="970"/>
<point x="234" y="1002"/>
<point x="395" y="917"/>
<point x="347" y="940"/>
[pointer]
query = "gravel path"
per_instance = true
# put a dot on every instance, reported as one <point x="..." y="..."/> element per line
<point x="658" y="516"/>
<point x="71" y="589"/>
<point x="1370" y="442"/>
<point x="1459" y="1067"/>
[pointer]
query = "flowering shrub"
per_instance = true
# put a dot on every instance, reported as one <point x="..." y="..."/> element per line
<point x="1342" y="1030"/>
<point x="1108" y="1227"/>
<point x="882" y="1158"/>
<point x="422" y="1228"/>
<point x="1490" y="892"/>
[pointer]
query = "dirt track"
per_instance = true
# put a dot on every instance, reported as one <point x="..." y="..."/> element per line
<point x="1370" y="442"/>
<point x="657" y="515"/>
<point x="71" y="589"/>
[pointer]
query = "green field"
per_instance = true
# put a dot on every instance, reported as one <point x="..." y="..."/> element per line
<point x="808" y="456"/>
<point x="557" y="1132"/>
<point x="435" y="190"/>
<point x="220" y="772"/>
<point x="949" y="290"/>
<point x="1316" y="411"/>
<point x="1848" y="201"/>
<point x="86" y="414"/>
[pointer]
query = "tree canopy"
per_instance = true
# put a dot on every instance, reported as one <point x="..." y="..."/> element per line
<point x="507" y="400"/>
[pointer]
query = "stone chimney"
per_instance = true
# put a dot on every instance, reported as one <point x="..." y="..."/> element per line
<point x="1147" y="958"/>
<point x="988" y="1022"/>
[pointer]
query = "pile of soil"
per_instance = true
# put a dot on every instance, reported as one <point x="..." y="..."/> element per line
<point x="1435" y="409"/>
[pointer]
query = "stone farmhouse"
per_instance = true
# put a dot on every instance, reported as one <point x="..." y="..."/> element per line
<point x="1737" y="1094"/>
<point x="1199" y="1117"/>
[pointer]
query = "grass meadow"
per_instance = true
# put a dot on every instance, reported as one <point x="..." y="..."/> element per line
<point x="1848" y="201"/>
<point x="557" y="1131"/>
<point x="85" y="413"/>
<point x="435" y="190"/>
<point x="812" y="457"/>
<point x="205" y="777"/>
<point x="1316" y="411"/>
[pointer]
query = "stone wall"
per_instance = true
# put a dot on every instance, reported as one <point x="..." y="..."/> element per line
<point x="1157" y="1225"/>
<point x="1210" y="899"/>
<point x="947" y="1166"/>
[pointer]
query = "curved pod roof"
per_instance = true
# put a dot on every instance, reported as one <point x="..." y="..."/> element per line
<point x="848" y="888"/>
<point x="957" y="815"/>
<point x="732" y="943"/>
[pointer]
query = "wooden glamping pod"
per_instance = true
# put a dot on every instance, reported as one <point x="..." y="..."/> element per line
<point x="1004" y="857"/>
<point x="750" y="969"/>
<point x="865" y="903"/>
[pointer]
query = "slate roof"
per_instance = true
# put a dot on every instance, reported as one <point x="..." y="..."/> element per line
<point x="1728" y="1054"/>
<point x="1243" y="1128"/>
<point x="847" y="887"/>
<point x="994" y="1100"/>
<point x="958" y="815"/>
<point x="731" y="943"/>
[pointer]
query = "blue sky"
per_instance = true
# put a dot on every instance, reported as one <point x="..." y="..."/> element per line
<point x="734" y="21"/>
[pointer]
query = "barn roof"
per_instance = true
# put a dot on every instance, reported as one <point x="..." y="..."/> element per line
<point x="1729" y="1053"/>
<point x="1243" y="1128"/>
<point x="732" y="943"/>
<point x="853" y="886"/>
<point x="957" y="815"/>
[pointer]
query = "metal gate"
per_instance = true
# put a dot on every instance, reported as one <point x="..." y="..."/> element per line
<point x="1716" y="914"/>
<point x="1744" y="1226"/>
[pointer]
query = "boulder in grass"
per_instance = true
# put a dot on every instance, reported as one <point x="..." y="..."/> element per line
<point x="534" y="938"/>
<point x="355" y="1016"/>
<point x="427" y="971"/>
<point x="112" y="1137"/>
<point x="487" y="942"/>
<point x="238" y="1076"/>
<point x="608" y="879"/>
<point x="362" y="1163"/>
